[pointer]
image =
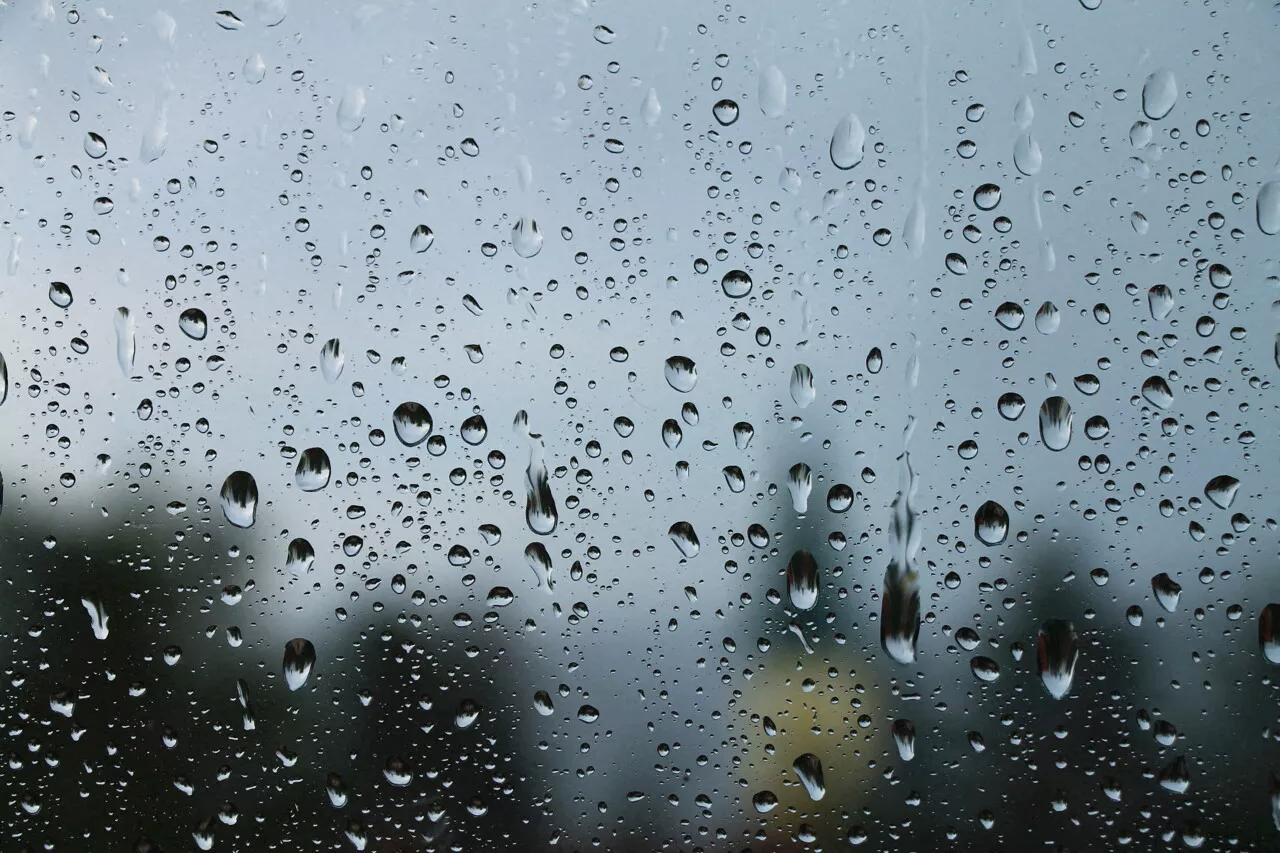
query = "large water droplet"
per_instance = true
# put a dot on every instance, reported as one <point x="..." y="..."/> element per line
<point x="539" y="562"/>
<point x="239" y="497"/>
<point x="98" y="617"/>
<point x="900" y="600"/>
<point x="1156" y="392"/>
<point x="1048" y="318"/>
<point x="421" y="238"/>
<point x="1010" y="315"/>
<point x="125" y="345"/>
<point x="847" y="142"/>
<point x="1055" y="423"/>
<point x="474" y="430"/>
<point x="351" y="109"/>
<point x="672" y="435"/>
<point x="300" y="558"/>
<point x="802" y="580"/>
<point x="60" y="294"/>
<point x="685" y="538"/>
<point x="904" y="737"/>
<point x="734" y="478"/>
<point x="1222" y="490"/>
<point x="1158" y="94"/>
<point x="313" y="470"/>
<point x="1269" y="633"/>
<point x="1011" y="405"/>
<point x="986" y="197"/>
<point x="1160" y="301"/>
<point x="1268" y="208"/>
<point x="193" y="324"/>
<point x="412" y="423"/>
<point x="1026" y="155"/>
<point x="802" y="390"/>
<point x="991" y="524"/>
<point x="725" y="112"/>
<point x="332" y="360"/>
<point x="800" y="485"/>
<point x="526" y="237"/>
<point x="808" y="768"/>
<point x="540" y="505"/>
<point x="95" y="146"/>
<point x="772" y="92"/>
<point x="681" y="373"/>
<point x="1166" y="591"/>
<point x="735" y="284"/>
<point x="299" y="658"/>
<point x="1057" y="654"/>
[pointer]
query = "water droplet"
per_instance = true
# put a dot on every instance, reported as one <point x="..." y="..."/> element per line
<point x="685" y="539"/>
<point x="1011" y="405"/>
<point x="95" y="146"/>
<point x="991" y="524"/>
<point x="764" y="802"/>
<point x="228" y="20"/>
<point x="313" y="470"/>
<point x="743" y="432"/>
<point x="1048" y="318"/>
<point x="808" y="768"/>
<point x="725" y="112"/>
<point x="526" y="237"/>
<point x="956" y="263"/>
<point x="255" y="69"/>
<point x="735" y="284"/>
<point x="671" y="433"/>
<point x="651" y="108"/>
<point x="900" y="604"/>
<point x="474" y="430"/>
<point x="125" y="346"/>
<point x="1156" y="392"/>
<point x="847" y="142"/>
<point x="1268" y="208"/>
<point x="875" y="360"/>
<point x="800" y="485"/>
<point x="301" y="557"/>
<point x="299" y="658"/>
<point x="604" y="35"/>
<point x="239" y="498"/>
<point x="1026" y="155"/>
<point x="398" y="771"/>
<point x="986" y="197"/>
<point x="542" y="703"/>
<point x="60" y="294"/>
<point x="984" y="669"/>
<point x="351" y="109"/>
<point x="772" y="92"/>
<point x="421" y="239"/>
<point x="681" y="373"/>
<point x="193" y="324"/>
<point x="1176" y="776"/>
<point x="1055" y="423"/>
<point x="1166" y="591"/>
<point x="1219" y="276"/>
<point x="904" y="737"/>
<point x="1010" y="315"/>
<point x="734" y="479"/>
<point x="1269" y="633"/>
<point x="540" y="505"/>
<point x="412" y="423"/>
<point x="332" y="360"/>
<point x="1057" y="655"/>
<point x="539" y="562"/>
<point x="98" y="617"/>
<point x="1221" y="490"/>
<point x="802" y="390"/>
<point x="337" y="790"/>
<point x="1160" y="301"/>
<point x="1158" y="94"/>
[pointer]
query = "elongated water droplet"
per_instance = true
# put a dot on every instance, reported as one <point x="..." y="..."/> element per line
<point x="526" y="237"/>
<point x="984" y="669"/>
<point x="1222" y="490"/>
<point x="808" y="769"/>
<point x="651" y="108"/>
<point x="332" y="360"/>
<point x="991" y="524"/>
<point x="671" y="433"/>
<point x="125" y="345"/>
<point x="900" y="604"/>
<point x="1167" y="591"/>
<point x="313" y="470"/>
<point x="1269" y="633"/>
<point x="1159" y="93"/>
<point x="1048" y="318"/>
<point x="542" y="703"/>
<point x="540" y="505"/>
<point x="1160" y="301"/>
<point x="802" y="580"/>
<point x="685" y="538"/>
<point x="800" y="485"/>
<point x="681" y="373"/>
<point x="1055" y="423"/>
<point x="771" y="94"/>
<point x="1057" y="655"/>
<point x="538" y="560"/>
<point x="95" y="146"/>
<point x="351" y="109"/>
<point x="299" y="658"/>
<point x="421" y="239"/>
<point x="802" y="390"/>
<point x="337" y="790"/>
<point x="193" y="324"/>
<point x="875" y="360"/>
<point x="98" y="617"/>
<point x="1176" y="776"/>
<point x="301" y="557"/>
<point x="734" y="478"/>
<point x="239" y="497"/>
<point x="904" y="737"/>
<point x="847" y="142"/>
<point x="1268" y="208"/>
<point x="411" y="423"/>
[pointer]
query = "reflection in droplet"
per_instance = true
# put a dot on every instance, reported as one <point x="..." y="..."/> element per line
<point x="808" y="768"/>
<point x="1221" y="490"/>
<point x="681" y="373"/>
<point x="1156" y="392"/>
<point x="193" y="324"/>
<point x="904" y="737"/>
<point x="734" y="478"/>
<point x="300" y="558"/>
<point x="900" y="604"/>
<point x="1011" y="405"/>
<point x="802" y="390"/>
<point x="875" y="360"/>
<point x="299" y="658"/>
<point x="672" y="435"/>
<point x="802" y="580"/>
<point x="1048" y="318"/>
<point x="421" y="239"/>
<point x="725" y="112"/>
<point x="1010" y="315"/>
<point x="526" y="237"/>
<point x="313" y="470"/>
<point x="332" y="360"/>
<point x="1160" y="301"/>
<point x="736" y="284"/>
<point x="411" y="423"/>
<point x="800" y="485"/>
<point x="98" y="617"/>
<point x="986" y="197"/>
<point x="685" y="538"/>
<point x="1269" y="633"/>
<point x="474" y="430"/>
<point x="1167" y="591"/>
<point x="538" y="560"/>
<point x="991" y="524"/>
<point x="1027" y="157"/>
<point x="540" y="505"/>
<point x="984" y="669"/>
<point x="60" y="294"/>
<point x="1057" y="655"/>
<point x="1055" y="423"/>
<point x="239" y="497"/>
